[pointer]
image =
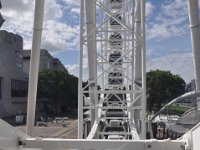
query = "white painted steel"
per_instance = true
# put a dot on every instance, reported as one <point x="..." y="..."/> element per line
<point x="80" y="95"/>
<point x="193" y="10"/>
<point x="137" y="53"/>
<point x="13" y="139"/>
<point x="113" y="35"/>
<point x="143" y="100"/>
<point x="134" y="133"/>
<point x="34" y="64"/>
<point x="195" y="136"/>
<point x="90" y="10"/>
<point x="9" y="136"/>
<point x="192" y="138"/>
<point x="137" y="62"/>
<point x="53" y="144"/>
<point x="94" y="131"/>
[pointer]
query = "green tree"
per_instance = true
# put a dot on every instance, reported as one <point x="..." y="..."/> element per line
<point x="162" y="87"/>
<point x="59" y="89"/>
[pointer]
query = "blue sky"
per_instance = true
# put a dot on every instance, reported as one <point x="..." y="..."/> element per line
<point x="168" y="36"/>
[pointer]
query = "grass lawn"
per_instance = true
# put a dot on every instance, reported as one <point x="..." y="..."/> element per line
<point x="177" y="109"/>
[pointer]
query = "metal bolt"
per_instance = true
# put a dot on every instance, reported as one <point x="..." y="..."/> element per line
<point x="149" y="146"/>
<point x="20" y="143"/>
<point x="183" y="147"/>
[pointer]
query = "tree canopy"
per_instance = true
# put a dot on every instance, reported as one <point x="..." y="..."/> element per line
<point x="162" y="87"/>
<point x="59" y="88"/>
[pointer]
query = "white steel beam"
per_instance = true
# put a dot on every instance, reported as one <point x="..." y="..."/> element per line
<point x="125" y="45"/>
<point x="133" y="59"/>
<point x="93" y="131"/>
<point x="80" y="92"/>
<point x="193" y="9"/>
<point x="192" y="138"/>
<point x="90" y="9"/>
<point x="98" y="28"/>
<point x="137" y="59"/>
<point x="143" y="102"/>
<point x="110" y="66"/>
<point x="34" y="65"/>
<point x="111" y="15"/>
<point x="54" y="144"/>
<point x="12" y="139"/>
<point x="137" y="52"/>
<point x="9" y="136"/>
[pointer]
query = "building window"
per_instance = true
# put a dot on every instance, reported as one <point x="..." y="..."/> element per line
<point x="0" y="87"/>
<point x="27" y="58"/>
<point x="19" y="88"/>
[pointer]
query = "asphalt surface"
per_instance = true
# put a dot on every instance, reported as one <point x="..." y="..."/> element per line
<point x="67" y="130"/>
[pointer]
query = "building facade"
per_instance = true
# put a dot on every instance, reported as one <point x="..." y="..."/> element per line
<point x="14" y="70"/>
<point x="191" y="86"/>
<point x="13" y="80"/>
<point x="46" y="61"/>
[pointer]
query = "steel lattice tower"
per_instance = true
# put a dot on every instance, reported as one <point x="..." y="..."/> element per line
<point x="112" y="40"/>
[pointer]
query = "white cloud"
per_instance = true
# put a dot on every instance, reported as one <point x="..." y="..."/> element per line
<point x="170" y="21"/>
<point x="53" y="10"/>
<point x="76" y="10"/>
<point x="23" y="5"/>
<point x="177" y="63"/>
<point x="72" y="2"/>
<point x="73" y="69"/>
<point x="149" y="8"/>
<point x="60" y="35"/>
<point x="57" y="34"/>
<point x="175" y="8"/>
<point x="19" y="18"/>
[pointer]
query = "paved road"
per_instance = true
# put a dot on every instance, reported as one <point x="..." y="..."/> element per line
<point x="56" y="130"/>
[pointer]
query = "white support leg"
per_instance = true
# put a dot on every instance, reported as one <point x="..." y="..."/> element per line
<point x="80" y="92"/>
<point x="143" y="102"/>
<point x="137" y="59"/>
<point x="193" y="9"/>
<point x="90" y="8"/>
<point x="34" y="65"/>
